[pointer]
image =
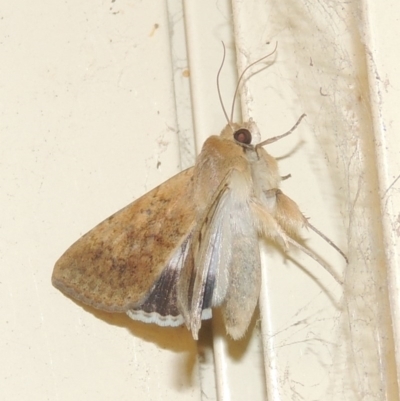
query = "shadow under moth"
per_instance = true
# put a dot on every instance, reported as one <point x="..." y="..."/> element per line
<point x="192" y="243"/>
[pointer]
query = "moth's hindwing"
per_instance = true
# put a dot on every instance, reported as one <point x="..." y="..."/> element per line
<point x="161" y="304"/>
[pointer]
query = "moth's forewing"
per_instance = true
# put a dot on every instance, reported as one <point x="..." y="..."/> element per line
<point x="115" y="266"/>
<point x="222" y="186"/>
<point x="198" y="282"/>
<point x="196" y="285"/>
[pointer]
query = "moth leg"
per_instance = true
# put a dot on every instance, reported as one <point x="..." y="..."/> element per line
<point x="314" y="256"/>
<point x="330" y="242"/>
<point x="290" y="218"/>
<point x="287" y="213"/>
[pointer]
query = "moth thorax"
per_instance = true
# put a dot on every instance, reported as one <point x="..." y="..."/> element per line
<point x="241" y="186"/>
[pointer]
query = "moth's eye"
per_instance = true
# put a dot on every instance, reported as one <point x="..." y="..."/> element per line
<point x="243" y="136"/>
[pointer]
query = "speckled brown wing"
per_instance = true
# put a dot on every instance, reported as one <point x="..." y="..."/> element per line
<point x="115" y="266"/>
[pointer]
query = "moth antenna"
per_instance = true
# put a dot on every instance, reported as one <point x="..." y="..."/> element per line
<point x="314" y="256"/>
<point x="276" y="138"/>
<point x="330" y="242"/>
<point x="218" y="88"/>
<point x="241" y="77"/>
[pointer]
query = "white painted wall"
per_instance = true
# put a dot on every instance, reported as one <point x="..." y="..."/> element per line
<point x="89" y="121"/>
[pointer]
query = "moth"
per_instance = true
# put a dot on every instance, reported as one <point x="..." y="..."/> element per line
<point x="192" y="243"/>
